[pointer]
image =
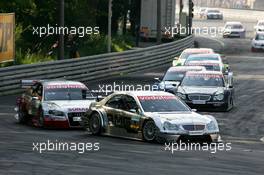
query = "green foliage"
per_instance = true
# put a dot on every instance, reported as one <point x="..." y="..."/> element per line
<point x="29" y="58"/>
<point x="36" y="13"/>
<point x="97" y="44"/>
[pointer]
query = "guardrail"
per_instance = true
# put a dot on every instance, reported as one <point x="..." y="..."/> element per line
<point x="93" y="67"/>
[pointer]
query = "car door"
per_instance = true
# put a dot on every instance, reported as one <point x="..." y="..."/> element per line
<point x="36" y="98"/>
<point x="131" y="114"/>
<point x="113" y="108"/>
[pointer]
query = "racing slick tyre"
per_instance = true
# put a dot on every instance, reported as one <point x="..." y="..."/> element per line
<point x="41" y="119"/>
<point x="22" y="116"/>
<point x="229" y="105"/>
<point x="95" y="124"/>
<point x="149" y="131"/>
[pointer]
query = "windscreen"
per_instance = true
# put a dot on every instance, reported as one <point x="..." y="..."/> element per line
<point x="260" y="37"/>
<point x="162" y="104"/>
<point x="174" y="76"/>
<point x="66" y="93"/>
<point x="207" y="58"/>
<point x="213" y="11"/>
<point x="236" y="26"/>
<point x="203" y="80"/>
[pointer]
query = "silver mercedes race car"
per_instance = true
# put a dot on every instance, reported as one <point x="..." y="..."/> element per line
<point x="208" y="89"/>
<point x="151" y="116"/>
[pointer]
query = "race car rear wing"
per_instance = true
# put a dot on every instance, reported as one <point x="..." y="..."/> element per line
<point x="25" y="84"/>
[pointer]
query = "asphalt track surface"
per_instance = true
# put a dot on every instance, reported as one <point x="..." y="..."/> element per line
<point x="242" y="127"/>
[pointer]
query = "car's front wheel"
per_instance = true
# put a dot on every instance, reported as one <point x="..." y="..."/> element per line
<point x="95" y="124"/>
<point x="149" y="131"/>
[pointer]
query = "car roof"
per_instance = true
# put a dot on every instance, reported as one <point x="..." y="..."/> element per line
<point x="204" y="62"/>
<point x="143" y="93"/>
<point x="185" y="68"/>
<point x="259" y="33"/>
<point x="260" y="21"/>
<point x="205" y="73"/>
<point x="234" y="23"/>
<point x="195" y="50"/>
<point x="205" y="55"/>
<point x="61" y="82"/>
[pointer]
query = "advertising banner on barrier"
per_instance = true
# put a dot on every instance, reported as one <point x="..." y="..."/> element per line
<point x="7" y="41"/>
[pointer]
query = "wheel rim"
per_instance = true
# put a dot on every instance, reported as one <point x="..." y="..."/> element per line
<point x="94" y="124"/>
<point x="149" y="131"/>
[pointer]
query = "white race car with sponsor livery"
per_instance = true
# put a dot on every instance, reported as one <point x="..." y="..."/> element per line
<point x="179" y="61"/>
<point x="174" y="76"/>
<point x="258" y="42"/>
<point x="151" y="116"/>
<point x="209" y="57"/>
<point x="234" y="29"/>
<point x="53" y="103"/>
<point x="208" y="90"/>
<point x="213" y="14"/>
<point x="210" y="65"/>
<point x="260" y="26"/>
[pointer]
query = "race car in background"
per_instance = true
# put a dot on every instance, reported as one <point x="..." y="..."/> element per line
<point x="202" y="12"/>
<point x="54" y="103"/>
<point x="213" y="14"/>
<point x="210" y="65"/>
<point x="257" y="43"/>
<point x="260" y="26"/>
<point x="151" y="116"/>
<point x="234" y="29"/>
<point x="209" y="57"/>
<point x="179" y="61"/>
<point x="174" y="76"/>
<point x="209" y="89"/>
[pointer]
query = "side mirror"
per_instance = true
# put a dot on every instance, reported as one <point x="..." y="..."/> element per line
<point x="133" y="110"/>
<point x="157" y="79"/>
<point x="194" y="110"/>
<point x="34" y="98"/>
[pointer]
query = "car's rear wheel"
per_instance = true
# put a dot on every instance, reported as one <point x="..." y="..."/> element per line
<point x="22" y="116"/>
<point x="229" y="105"/>
<point x="95" y="124"/>
<point x="149" y="131"/>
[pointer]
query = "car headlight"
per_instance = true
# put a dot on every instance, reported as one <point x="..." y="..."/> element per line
<point x="211" y="126"/>
<point x="170" y="126"/>
<point x="162" y="86"/>
<point x="219" y="97"/>
<point x="182" y="96"/>
<point x="56" y="113"/>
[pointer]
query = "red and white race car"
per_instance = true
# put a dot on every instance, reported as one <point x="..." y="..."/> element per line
<point x="53" y="103"/>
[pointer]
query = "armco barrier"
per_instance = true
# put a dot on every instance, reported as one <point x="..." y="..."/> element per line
<point x="93" y="67"/>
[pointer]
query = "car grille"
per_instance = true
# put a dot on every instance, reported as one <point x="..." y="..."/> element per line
<point x="199" y="97"/>
<point x="235" y="33"/>
<point x="75" y="114"/>
<point x="193" y="127"/>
